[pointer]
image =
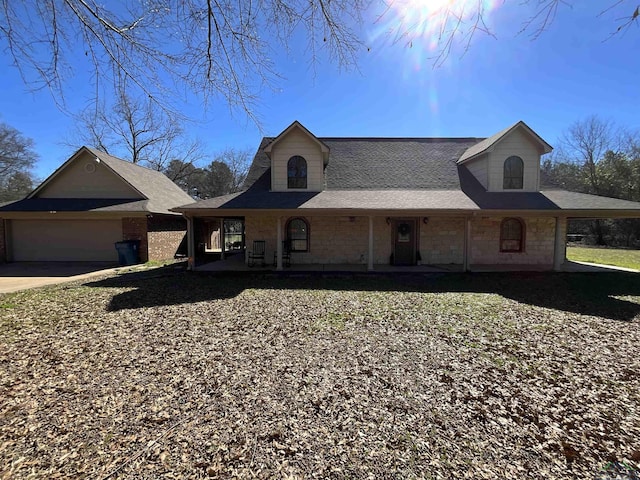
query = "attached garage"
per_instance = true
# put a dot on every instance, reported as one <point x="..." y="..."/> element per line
<point x="87" y="205"/>
<point x="64" y="240"/>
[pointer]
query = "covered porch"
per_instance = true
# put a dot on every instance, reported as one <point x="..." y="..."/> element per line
<point x="388" y="241"/>
<point x="235" y="264"/>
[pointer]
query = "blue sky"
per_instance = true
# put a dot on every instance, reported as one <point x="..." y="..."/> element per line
<point x="569" y="72"/>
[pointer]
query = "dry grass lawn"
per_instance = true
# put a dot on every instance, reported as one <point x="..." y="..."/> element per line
<point x="167" y="374"/>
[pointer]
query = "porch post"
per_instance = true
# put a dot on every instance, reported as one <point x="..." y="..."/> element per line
<point x="222" y="238"/>
<point x="191" y="261"/>
<point x="467" y="245"/>
<point x="559" y="250"/>
<point x="279" y="244"/>
<point x="370" y="259"/>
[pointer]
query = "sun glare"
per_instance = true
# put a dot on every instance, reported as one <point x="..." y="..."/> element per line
<point x="434" y="27"/>
<point x="430" y="33"/>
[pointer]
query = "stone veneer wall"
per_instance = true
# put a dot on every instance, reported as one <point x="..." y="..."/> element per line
<point x="563" y="242"/>
<point x="135" y="228"/>
<point x="333" y="240"/>
<point x="442" y="241"/>
<point x="539" y="242"/>
<point x="165" y="234"/>
<point x="344" y="239"/>
<point x="3" y="245"/>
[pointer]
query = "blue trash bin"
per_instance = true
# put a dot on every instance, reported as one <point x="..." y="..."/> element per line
<point x="128" y="252"/>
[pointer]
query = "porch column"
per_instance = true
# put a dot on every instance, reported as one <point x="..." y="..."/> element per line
<point x="191" y="260"/>
<point x="370" y="259"/>
<point x="560" y="245"/>
<point x="467" y="245"/>
<point x="279" y="244"/>
<point x="222" y="239"/>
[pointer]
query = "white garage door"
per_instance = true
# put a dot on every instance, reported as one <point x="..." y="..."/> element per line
<point x="65" y="240"/>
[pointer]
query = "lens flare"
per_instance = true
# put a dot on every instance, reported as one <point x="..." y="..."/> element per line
<point x="434" y="28"/>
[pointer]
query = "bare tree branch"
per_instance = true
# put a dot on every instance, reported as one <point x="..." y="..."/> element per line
<point x="138" y="130"/>
<point x="166" y="49"/>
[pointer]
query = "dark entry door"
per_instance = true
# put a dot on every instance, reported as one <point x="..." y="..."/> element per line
<point x="404" y="251"/>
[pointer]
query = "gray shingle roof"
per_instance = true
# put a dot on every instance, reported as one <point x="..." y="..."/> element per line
<point x="582" y="201"/>
<point x="340" y="199"/>
<point x="380" y="163"/>
<point x="76" y="205"/>
<point x="401" y="174"/>
<point x="160" y="192"/>
<point x="407" y="163"/>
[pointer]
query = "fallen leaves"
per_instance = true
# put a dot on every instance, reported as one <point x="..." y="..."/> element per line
<point x="308" y="378"/>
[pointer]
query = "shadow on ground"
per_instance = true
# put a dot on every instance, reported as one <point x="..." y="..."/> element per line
<point x="52" y="269"/>
<point x="599" y="294"/>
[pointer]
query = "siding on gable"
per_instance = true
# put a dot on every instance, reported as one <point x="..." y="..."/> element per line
<point x="520" y="144"/>
<point x="78" y="181"/>
<point x="294" y="143"/>
<point x="479" y="168"/>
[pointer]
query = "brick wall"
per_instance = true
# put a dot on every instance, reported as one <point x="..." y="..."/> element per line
<point x="442" y="241"/>
<point x="3" y="245"/>
<point x="539" y="242"/>
<point x="165" y="236"/>
<point x="135" y="228"/>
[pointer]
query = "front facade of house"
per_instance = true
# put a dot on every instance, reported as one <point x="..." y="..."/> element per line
<point x="466" y="202"/>
<point x="92" y="201"/>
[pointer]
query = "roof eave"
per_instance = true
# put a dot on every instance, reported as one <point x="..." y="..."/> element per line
<point x="296" y="124"/>
<point x="546" y="148"/>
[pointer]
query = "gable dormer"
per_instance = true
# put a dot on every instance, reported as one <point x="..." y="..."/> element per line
<point x="509" y="161"/>
<point x="298" y="159"/>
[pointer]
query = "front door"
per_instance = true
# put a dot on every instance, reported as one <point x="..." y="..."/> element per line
<point x="404" y="242"/>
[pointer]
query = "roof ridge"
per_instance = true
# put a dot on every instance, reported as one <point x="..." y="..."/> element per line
<point x="458" y="139"/>
<point x="467" y="139"/>
<point x="98" y="153"/>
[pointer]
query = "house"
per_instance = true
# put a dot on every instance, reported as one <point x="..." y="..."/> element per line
<point x="90" y="202"/>
<point x="474" y="203"/>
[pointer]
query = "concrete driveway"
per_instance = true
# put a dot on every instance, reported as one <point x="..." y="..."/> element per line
<point x="24" y="275"/>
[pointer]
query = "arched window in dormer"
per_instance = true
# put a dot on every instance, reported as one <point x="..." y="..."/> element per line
<point x="297" y="172"/>
<point x="512" y="235"/>
<point x="513" y="173"/>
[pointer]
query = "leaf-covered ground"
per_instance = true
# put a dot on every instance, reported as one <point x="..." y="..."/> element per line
<point x="176" y="375"/>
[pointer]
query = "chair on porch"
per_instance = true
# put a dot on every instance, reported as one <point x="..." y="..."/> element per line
<point x="257" y="253"/>
<point x="286" y="254"/>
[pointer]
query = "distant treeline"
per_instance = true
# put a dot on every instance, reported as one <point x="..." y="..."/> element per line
<point x="594" y="156"/>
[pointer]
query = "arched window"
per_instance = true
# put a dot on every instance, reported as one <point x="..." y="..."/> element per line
<point x="298" y="235"/>
<point x="512" y="235"/>
<point x="297" y="172"/>
<point x="513" y="173"/>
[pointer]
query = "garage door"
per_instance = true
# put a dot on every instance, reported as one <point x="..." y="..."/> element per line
<point x="65" y="240"/>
